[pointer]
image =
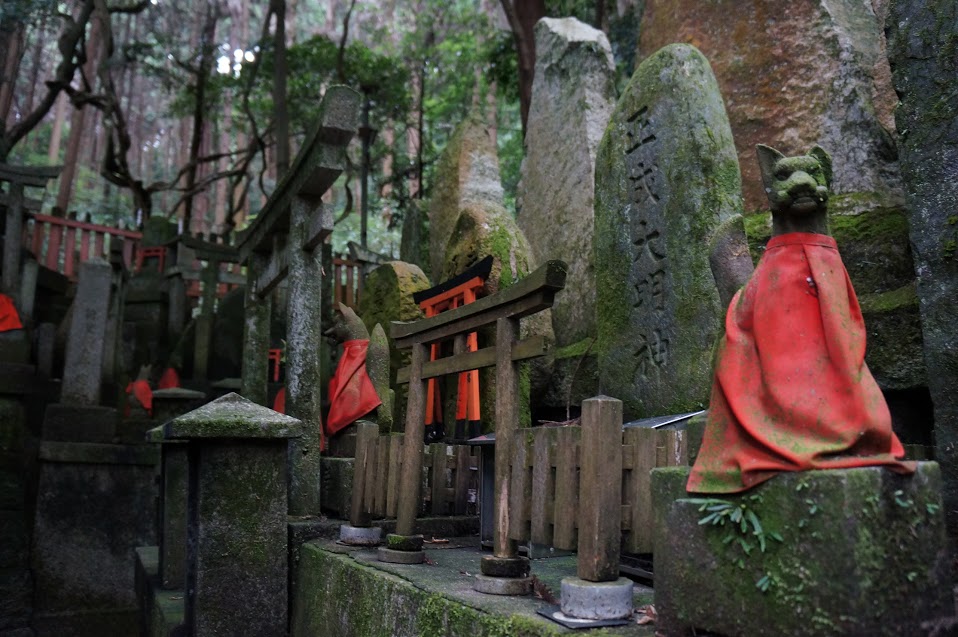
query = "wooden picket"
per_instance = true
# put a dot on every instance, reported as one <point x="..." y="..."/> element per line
<point x="450" y="472"/>
<point x="544" y="490"/>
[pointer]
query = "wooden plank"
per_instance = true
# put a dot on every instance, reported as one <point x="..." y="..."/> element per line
<point x="437" y="452"/>
<point x="543" y="485"/>
<point x="69" y="252"/>
<point x="639" y="495"/>
<point x="525" y="349"/>
<point x="676" y="448"/>
<point x="463" y="478"/>
<point x="273" y="274"/>
<point x="369" y="486"/>
<point x="519" y="493"/>
<point x="85" y="245"/>
<point x="513" y="302"/>
<point x="411" y="478"/>
<point x="566" y="488"/>
<point x="350" y="301"/>
<point x="382" y="477"/>
<point x="600" y="490"/>
<point x="365" y="434"/>
<point x="392" y="488"/>
<point x="53" y="248"/>
<point x="98" y="250"/>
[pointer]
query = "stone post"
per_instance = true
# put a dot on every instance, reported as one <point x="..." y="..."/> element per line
<point x="598" y="593"/>
<point x="504" y="572"/>
<point x="237" y="569"/>
<point x="10" y="283"/>
<point x="85" y="343"/>
<point x="28" y="290"/>
<point x="174" y="482"/>
<point x="304" y="337"/>
<point x="359" y="531"/>
<point x="204" y="322"/>
<point x="256" y="334"/>
<point x="173" y="402"/>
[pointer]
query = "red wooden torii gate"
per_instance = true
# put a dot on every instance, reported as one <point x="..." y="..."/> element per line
<point x="449" y="295"/>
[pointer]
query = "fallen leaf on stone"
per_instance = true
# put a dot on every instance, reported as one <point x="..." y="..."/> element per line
<point x="541" y="590"/>
<point x="466" y="573"/>
<point x="428" y="561"/>
<point x="436" y="540"/>
<point x="646" y="615"/>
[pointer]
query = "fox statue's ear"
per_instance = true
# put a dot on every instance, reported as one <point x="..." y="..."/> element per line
<point x="767" y="156"/>
<point x="825" y="160"/>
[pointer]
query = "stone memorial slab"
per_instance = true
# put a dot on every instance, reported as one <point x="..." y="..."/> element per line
<point x="666" y="177"/>
<point x="921" y="40"/>
<point x="807" y="73"/>
<point x="83" y="367"/>
<point x="573" y="96"/>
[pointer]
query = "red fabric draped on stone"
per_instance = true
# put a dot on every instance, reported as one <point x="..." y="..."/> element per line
<point x="169" y="380"/>
<point x="9" y="317"/>
<point x="143" y="394"/>
<point x="351" y="393"/>
<point x="791" y="390"/>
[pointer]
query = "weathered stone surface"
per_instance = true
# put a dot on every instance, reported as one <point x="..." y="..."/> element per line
<point x="237" y="548"/>
<point x="573" y="95"/>
<point x="467" y="174"/>
<point x="89" y="517"/>
<point x="484" y="230"/>
<point x="377" y="366"/>
<point x="666" y="177"/>
<point x="794" y="75"/>
<point x="173" y="402"/>
<point x="336" y="485"/>
<point x="862" y="552"/>
<point x="157" y="230"/>
<point x="232" y="416"/>
<point x="84" y="363"/>
<point x="922" y="36"/>
<point x="16" y="591"/>
<point x="13" y="424"/>
<point x="79" y="423"/>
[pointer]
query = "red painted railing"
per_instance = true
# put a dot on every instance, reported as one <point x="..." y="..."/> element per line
<point x="347" y="281"/>
<point x="63" y="244"/>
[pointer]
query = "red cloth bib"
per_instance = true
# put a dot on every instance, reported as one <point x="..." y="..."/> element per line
<point x="791" y="390"/>
<point x="169" y="380"/>
<point x="9" y="317"/>
<point x="143" y="394"/>
<point x="351" y="393"/>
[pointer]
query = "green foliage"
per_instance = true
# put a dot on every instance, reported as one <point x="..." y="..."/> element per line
<point x="742" y="526"/>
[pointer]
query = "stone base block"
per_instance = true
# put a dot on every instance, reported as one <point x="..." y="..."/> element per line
<point x="69" y="423"/>
<point x="401" y="557"/>
<point x="360" y="535"/>
<point x="398" y="542"/>
<point x="597" y="600"/>
<point x="842" y="552"/>
<point x="493" y="566"/>
<point x="503" y="585"/>
<point x="336" y="485"/>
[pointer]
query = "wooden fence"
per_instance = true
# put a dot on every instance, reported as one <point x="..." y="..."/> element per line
<point x="450" y="473"/>
<point x="347" y="281"/>
<point x="63" y="244"/>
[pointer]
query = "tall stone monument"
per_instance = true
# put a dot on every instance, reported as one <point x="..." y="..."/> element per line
<point x="921" y="40"/>
<point x="794" y="75"/>
<point x="467" y="174"/>
<point x="666" y="177"/>
<point x="572" y="99"/>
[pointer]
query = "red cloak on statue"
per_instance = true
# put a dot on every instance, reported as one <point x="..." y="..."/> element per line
<point x="791" y="390"/>
<point x="169" y="380"/>
<point x="143" y="394"/>
<point x="9" y="317"/>
<point x="351" y="393"/>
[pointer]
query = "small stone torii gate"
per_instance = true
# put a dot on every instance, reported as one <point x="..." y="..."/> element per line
<point x="285" y="242"/>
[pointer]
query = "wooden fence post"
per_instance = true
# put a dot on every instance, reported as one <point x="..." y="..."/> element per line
<point x="359" y="531"/>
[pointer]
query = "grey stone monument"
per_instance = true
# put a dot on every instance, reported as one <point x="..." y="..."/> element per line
<point x="666" y="177"/>
<point x="921" y="39"/>
<point x="573" y="96"/>
<point x="237" y="571"/>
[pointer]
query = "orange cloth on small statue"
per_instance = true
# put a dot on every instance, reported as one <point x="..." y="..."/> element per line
<point x="143" y="394"/>
<point x="9" y="317"/>
<point x="351" y="393"/>
<point x="169" y="380"/>
<point x="791" y="390"/>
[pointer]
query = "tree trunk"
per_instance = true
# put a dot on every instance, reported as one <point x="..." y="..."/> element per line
<point x="56" y="135"/>
<point x="280" y="72"/>
<point x="207" y="38"/>
<point x="12" y="43"/>
<point x="523" y="15"/>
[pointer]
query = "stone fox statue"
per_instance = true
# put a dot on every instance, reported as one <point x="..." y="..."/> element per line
<point x="791" y="389"/>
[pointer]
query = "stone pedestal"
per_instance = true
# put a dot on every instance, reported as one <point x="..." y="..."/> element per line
<point x="237" y="571"/>
<point x="841" y="552"/>
<point x="174" y="484"/>
<point x="170" y="403"/>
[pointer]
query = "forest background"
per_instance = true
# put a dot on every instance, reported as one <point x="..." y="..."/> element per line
<point x="192" y="109"/>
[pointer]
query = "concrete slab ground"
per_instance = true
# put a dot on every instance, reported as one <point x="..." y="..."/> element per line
<point x="346" y="592"/>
